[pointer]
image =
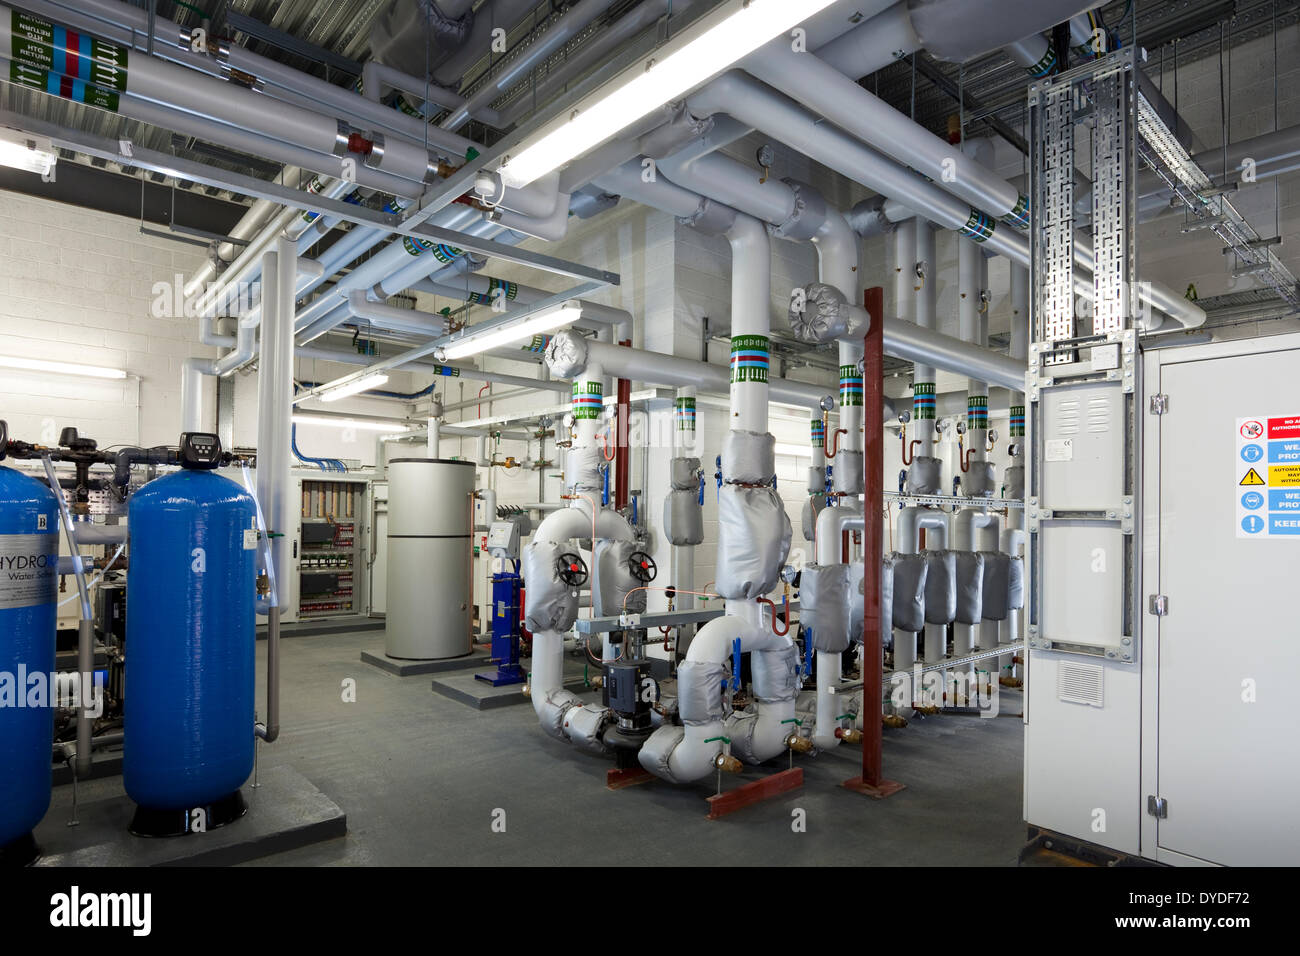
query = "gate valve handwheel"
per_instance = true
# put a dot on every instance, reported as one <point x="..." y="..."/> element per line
<point x="642" y="567"/>
<point x="571" y="570"/>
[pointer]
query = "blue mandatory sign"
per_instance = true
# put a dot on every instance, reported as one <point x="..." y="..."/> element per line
<point x="1252" y="524"/>
<point x="1252" y="453"/>
<point x="1252" y="501"/>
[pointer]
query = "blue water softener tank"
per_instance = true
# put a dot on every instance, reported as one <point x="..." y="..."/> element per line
<point x="29" y="564"/>
<point x="190" y="646"/>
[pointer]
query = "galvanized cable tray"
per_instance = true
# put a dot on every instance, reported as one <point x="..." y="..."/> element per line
<point x="1209" y="204"/>
<point x="947" y="501"/>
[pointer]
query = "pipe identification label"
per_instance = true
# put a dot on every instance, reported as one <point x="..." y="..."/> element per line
<point x="1267" y="473"/>
<point x="29" y="570"/>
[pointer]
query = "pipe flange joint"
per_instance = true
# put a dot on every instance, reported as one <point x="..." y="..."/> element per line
<point x="342" y="137"/>
<point x="710" y="218"/>
<point x="375" y="158"/>
<point x="809" y="212"/>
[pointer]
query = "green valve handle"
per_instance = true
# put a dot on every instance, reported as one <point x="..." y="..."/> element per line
<point x="793" y="720"/>
<point x="725" y="740"/>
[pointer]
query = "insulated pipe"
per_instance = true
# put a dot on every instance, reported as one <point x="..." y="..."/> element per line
<point x="655" y="368"/>
<point x="251" y="223"/>
<point x="1013" y="535"/>
<point x="154" y="80"/>
<point x="873" y="44"/>
<point x="831" y="525"/>
<point x="910" y="522"/>
<point x="377" y="78"/>
<point x="751" y="306"/>
<point x="573" y="22"/>
<point x="192" y="371"/>
<point x="756" y="105"/>
<point x="811" y="80"/>
<point x="975" y="530"/>
<point x="131" y="27"/>
<point x="972" y="280"/>
<point x="551" y="227"/>
<point x="694" y="752"/>
<point x="837" y="257"/>
<point x="925" y="285"/>
<point x="403" y="320"/>
<point x="685" y="445"/>
<point x="551" y="701"/>
<point x="352" y="357"/>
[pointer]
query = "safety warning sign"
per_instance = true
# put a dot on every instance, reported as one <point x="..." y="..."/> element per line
<point x="1267" y="473"/>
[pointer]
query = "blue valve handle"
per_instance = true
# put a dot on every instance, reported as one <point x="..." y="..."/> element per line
<point x="604" y="495"/>
<point x="735" y="664"/>
<point x="701" y="489"/>
<point x="633" y="508"/>
<point x="807" y="651"/>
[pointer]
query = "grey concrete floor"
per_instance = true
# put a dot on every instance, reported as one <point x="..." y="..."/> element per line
<point x="423" y="779"/>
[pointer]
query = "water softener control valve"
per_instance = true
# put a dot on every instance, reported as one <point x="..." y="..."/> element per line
<point x="200" y="451"/>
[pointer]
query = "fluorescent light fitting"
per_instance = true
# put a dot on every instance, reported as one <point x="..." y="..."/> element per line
<point x="353" y="388"/>
<point x="473" y="344"/>
<point x="20" y="150"/>
<point x="654" y="82"/>
<point x="360" y="424"/>
<point x="61" y="368"/>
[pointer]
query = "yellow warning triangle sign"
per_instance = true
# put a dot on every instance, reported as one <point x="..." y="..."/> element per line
<point x="1252" y="478"/>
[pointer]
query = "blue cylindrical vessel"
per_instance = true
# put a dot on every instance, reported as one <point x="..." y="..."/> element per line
<point x="190" y="667"/>
<point x="29" y="565"/>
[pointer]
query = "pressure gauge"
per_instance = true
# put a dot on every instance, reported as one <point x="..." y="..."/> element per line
<point x="828" y="402"/>
<point x="765" y="156"/>
<point x="905" y="416"/>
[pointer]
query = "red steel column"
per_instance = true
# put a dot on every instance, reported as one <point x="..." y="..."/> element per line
<point x="622" y="478"/>
<point x="873" y="782"/>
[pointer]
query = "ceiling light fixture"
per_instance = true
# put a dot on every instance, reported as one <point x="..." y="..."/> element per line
<point x="498" y="335"/>
<point x="61" y="368"/>
<point x="21" y="150"/>
<point x="354" y="388"/>
<point x="702" y="51"/>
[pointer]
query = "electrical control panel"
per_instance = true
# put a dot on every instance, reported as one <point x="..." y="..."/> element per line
<point x="329" y="553"/>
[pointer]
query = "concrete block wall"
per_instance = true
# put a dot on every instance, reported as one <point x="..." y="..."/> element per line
<point x="79" y="286"/>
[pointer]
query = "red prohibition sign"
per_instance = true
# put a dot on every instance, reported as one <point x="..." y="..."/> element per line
<point x="1252" y="430"/>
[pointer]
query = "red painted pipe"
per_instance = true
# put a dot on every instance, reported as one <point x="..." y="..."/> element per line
<point x="622" y="478"/>
<point x="873" y="665"/>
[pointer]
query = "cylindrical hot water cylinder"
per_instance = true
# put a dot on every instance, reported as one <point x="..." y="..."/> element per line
<point x="29" y="565"/>
<point x="430" y="558"/>
<point x="190" y="669"/>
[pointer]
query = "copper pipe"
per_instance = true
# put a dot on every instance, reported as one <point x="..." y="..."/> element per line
<point x="835" y="443"/>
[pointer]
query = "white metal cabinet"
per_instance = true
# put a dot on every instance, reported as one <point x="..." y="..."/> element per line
<point x="1224" y="728"/>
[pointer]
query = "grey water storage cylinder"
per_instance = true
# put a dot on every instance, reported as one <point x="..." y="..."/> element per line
<point x="430" y="557"/>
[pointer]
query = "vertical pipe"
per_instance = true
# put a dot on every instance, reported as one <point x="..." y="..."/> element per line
<point x="751" y="306"/>
<point x="905" y="246"/>
<point x="275" y="406"/>
<point x="1013" y="536"/>
<point x="926" y="287"/>
<point x="684" y="554"/>
<point x="972" y="271"/>
<point x="923" y="384"/>
<point x="192" y="395"/>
